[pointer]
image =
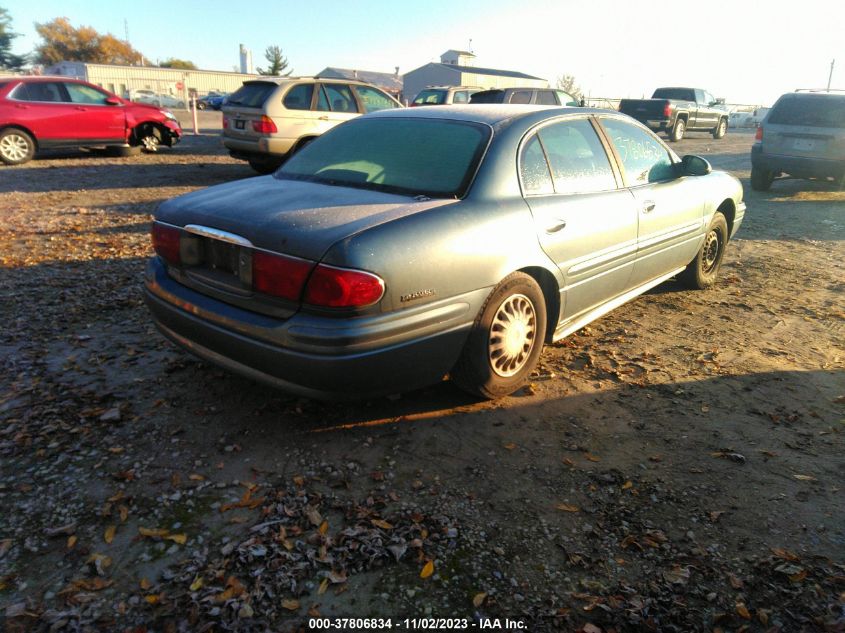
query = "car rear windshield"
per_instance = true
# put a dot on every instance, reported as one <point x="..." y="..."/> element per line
<point x="431" y="157"/>
<point x="811" y="110"/>
<point x="488" y="96"/>
<point x="252" y="94"/>
<point x="681" y="94"/>
<point x="431" y="97"/>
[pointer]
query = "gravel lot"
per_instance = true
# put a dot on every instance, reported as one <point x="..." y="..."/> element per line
<point x="676" y="466"/>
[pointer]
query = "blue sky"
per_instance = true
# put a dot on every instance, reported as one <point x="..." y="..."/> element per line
<point x="745" y="51"/>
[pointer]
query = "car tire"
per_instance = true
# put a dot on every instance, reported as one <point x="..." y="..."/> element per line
<point x="701" y="272"/>
<point x="761" y="179"/>
<point x="181" y="105"/>
<point x="721" y="129"/>
<point x="123" y="151"/>
<point x="148" y="138"/>
<point x="201" y="105"/>
<point x="678" y="130"/>
<point x="506" y="340"/>
<point x="16" y="146"/>
<point x="264" y="167"/>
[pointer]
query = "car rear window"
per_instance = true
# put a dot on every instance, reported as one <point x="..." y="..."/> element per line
<point x="431" y="97"/>
<point x="431" y="157"/>
<point x="487" y="96"/>
<point x="810" y="110"/>
<point x="252" y="94"/>
<point x="681" y="94"/>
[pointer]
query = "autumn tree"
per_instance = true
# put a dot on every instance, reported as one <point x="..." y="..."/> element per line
<point x="63" y="42"/>
<point x="181" y="64"/>
<point x="8" y="60"/>
<point x="278" y="63"/>
<point x="568" y="84"/>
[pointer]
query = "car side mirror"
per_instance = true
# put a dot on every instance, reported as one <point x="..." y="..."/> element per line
<point x="692" y="165"/>
<point x="113" y="101"/>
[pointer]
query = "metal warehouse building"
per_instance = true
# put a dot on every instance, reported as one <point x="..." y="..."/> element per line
<point x="176" y="82"/>
<point x="456" y="69"/>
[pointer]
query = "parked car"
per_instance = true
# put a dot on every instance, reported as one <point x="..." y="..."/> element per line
<point x="48" y="112"/>
<point x="444" y="95"/>
<point x="143" y="95"/>
<point x="538" y="96"/>
<point x="212" y="101"/>
<point x="409" y="244"/>
<point x="268" y="119"/>
<point x="802" y="136"/>
<point x="676" y="111"/>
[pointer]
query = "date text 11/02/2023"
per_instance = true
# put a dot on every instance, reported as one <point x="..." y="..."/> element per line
<point x="430" y="624"/>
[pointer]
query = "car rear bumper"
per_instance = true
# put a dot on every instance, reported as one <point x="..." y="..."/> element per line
<point x="319" y="357"/>
<point x="247" y="148"/>
<point x="799" y="166"/>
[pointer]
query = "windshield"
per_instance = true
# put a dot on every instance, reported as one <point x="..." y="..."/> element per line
<point x="431" y="157"/>
<point x="252" y="95"/>
<point x="811" y="110"/>
<point x="431" y="97"/>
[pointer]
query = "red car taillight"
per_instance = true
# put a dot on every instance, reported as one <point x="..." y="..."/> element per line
<point x="279" y="275"/>
<point x="332" y="287"/>
<point x="225" y="122"/>
<point x="667" y="109"/>
<point x="758" y="135"/>
<point x="166" y="242"/>
<point x="265" y="125"/>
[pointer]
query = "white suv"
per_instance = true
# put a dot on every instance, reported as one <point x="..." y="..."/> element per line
<point x="268" y="119"/>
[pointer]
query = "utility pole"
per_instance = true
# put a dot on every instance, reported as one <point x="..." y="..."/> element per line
<point x="830" y="76"/>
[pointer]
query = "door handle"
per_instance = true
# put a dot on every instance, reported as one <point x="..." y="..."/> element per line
<point x="323" y="118"/>
<point x="648" y="206"/>
<point x="554" y="228"/>
<point x="80" y="108"/>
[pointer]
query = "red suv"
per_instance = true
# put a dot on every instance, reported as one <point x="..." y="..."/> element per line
<point x="47" y="112"/>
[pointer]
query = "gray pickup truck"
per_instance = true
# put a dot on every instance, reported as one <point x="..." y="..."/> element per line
<point x="676" y="110"/>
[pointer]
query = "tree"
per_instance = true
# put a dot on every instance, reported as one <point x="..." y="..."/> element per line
<point x="278" y="63"/>
<point x="7" y="59"/>
<point x="63" y="42"/>
<point x="181" y="64"/>
<point x="567" y="84"/>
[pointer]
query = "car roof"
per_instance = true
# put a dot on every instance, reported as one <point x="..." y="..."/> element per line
<point x="40" y="78"/>
<point x="489" y="113"/>
<point x="281" y="81"/>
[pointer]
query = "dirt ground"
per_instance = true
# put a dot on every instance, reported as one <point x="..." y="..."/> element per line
<point x="675" y="466"/>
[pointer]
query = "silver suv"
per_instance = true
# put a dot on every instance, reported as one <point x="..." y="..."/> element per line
<point x="268" y="119"/>
<point x="802" y="136"/>
<point x="444" y="95"/>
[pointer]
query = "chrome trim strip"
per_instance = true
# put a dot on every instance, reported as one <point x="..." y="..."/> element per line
<point x="217" y="234"/>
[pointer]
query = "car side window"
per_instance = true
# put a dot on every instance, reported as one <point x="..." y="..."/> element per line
<point x="461" y="96"/>
<point x="45" y="91"/>
<point x="534" y="170"/>
<point x="708" y="98"/>
<point x="566" y="99"/>
<point x="299" y="97"/>
<point x="521" y="96"/>
<point x="340" y="98"/>
<point x="374" y="100"/>
<point x="644" y="158"/>
<point x="577" y="158"/>
<point x="546" y="97"/>
<point x="80" y="93"/>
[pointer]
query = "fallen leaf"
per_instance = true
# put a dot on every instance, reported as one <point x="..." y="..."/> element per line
<point x="153" y="599"/>
<point x="592" y="457"/>
<point x="427" y="570"/>
<point x="736" y="583"/>
<point x="798" y="577"/>
<point x="313" y="515"/>
<point x="590" y="628"/>
<point x="196" y="477"/>
<point x="715" y="514"/>
<point x="567" y="507"/>
<point x="384" y="525"/>
<point x="152" y="532"/>
<point x="124" y="513"/>
<point x="510" y="446"/>
<point x="628" y="484"/>
<point x="479" y="599"/>
<point x="197" y="584"/>
<point x="145" y="584"/>
<point x="568" y="462"/>
<point x="181" y="539"/>
<point x="117" y="450"/>
<point x="677" y="575"/>
<point x="785" y="554"/>
<point x="804" y="477"/>
<point x="323" y="586"/>
<point x="742" y="611"/>
<point x="337" y="577"/>
<point x="291" y="605"/>
<point x="324" y="527"/>
<point x="108" y="537"/>
<point x="299" y="480"/>
<point x="71" y="541"/>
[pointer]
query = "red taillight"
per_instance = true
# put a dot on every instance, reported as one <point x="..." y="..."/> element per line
<point x="265" y="125"/>
<point x="279" y="275"/>
<point x="667" y="109"/>
<point x="342" y="288"/>
<point x="758" y="135"/>
<point x="166" y="242"/>
<point x="225" y="122"/>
